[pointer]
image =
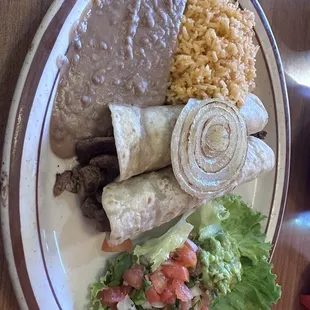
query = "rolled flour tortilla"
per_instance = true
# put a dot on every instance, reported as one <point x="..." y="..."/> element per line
<point x="208" y="147"/>
<point x="142" y="137"/>
<point x="144" y="202"/>
<point x="260" y="159"/>
<point x="150" y="200"/>
<point x="255" y="114"/>
<point x="209" y="143"/>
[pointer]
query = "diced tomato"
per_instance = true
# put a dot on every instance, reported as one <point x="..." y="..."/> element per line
<point x="171" y="300"/>
<point x="126" y="246"/>
<point x="167" y="296"/>
<point x="159" y="281"/>
<point x="305" y="301"/>
<point x="181" y="290"/>
<point x="152" y="295"/>
<point x="185" y="305"/>
<point x="205" y="300"/>
<point x="175" y="271"/>
<point x="186" y="257"/>
<point x="114" y="295"/>
<point x="134" y="276"/>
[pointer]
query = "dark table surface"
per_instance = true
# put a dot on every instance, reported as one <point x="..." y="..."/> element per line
<point x="290" y="21"/>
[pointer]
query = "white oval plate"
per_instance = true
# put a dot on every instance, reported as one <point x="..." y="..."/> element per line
<point x="53" y="253"/>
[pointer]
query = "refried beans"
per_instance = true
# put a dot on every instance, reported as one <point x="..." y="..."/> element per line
<point x="120" y="53"/>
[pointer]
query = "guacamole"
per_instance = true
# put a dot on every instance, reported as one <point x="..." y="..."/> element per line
<point x="220" y="260"/>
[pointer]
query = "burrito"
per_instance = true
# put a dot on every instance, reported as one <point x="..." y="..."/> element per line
<point x="152" y="199"/>
<point x="210" y="142"/>
<point x="143" y="135"/>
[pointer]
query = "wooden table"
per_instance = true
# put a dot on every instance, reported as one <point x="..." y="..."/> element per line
<point x="290" y="20"/>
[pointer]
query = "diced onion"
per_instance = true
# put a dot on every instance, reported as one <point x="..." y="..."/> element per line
<point x="158" y="305"/>
<point x="196" y="291"/>
<point x="146" y="305"/>
<point x="193" y="245"/>
<point x="126" y="304"/>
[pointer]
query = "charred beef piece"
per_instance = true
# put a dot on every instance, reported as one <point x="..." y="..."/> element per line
<point x="110" y="132"/>
<point x="92" y="209"/>
<point x="75" y="177"/>
<point x="89" y="206"/>
<point x="102" y="221"/>
<point x="64" y="181"/>
<point x="105" y="162"/>
<point x="89" y="148"/>
<point x="99" y="196"/>
<point x="90" y="180"/>
<point x="260" y="135"/>
<point x="111" y="175"/>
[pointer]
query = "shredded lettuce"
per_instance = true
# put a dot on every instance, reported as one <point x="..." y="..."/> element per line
<point x="157" y="250"/>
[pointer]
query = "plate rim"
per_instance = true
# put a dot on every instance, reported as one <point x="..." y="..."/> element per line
<point x="13" y="132"/>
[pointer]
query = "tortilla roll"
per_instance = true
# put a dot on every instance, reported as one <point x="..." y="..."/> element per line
<point x="150" y="200"/>
<point x="260" y="159"/>
<point x="255" y="114"/>
<point x="208" y="147"/>
<point x="144" y="202"/>
<point x="142" y="137"/>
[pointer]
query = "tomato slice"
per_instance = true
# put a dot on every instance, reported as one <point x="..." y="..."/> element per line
<point x="152" y="295"/>
<point x="186" y="257"/>
<point x="168" y="297"/>
<point x="159" y="281"/>
<point x="114" y="295"/>
<point x="181" y="290"/>
<point x="134" y="276"/>
<point x="126" y="246"/>
<point x="305" y="301"/>
<point x="175" y="271"/>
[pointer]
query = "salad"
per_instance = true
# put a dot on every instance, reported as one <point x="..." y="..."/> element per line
<point x="216" y="258"/>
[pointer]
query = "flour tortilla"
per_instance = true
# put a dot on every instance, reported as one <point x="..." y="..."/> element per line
<point x="152" y="199"/>
<point x="144" y="202"/>
<point x="142" y="137"/>
<point x="255" y="114"/>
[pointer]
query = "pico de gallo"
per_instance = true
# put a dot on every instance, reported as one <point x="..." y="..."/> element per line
<point x="214" y="259"/>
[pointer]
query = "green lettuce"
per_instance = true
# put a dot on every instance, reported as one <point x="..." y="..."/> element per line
<point x="230" y="218"/>
<point x="207" y="219"/>
<point x="138" y="297"/>
<point x="113" y="277"/>
<point x="157" y="250"/>
<point x="244" y="224"/>
<point x="257" y="290"/>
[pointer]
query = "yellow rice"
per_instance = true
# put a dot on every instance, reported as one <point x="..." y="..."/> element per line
<point x="215" y="56"/>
